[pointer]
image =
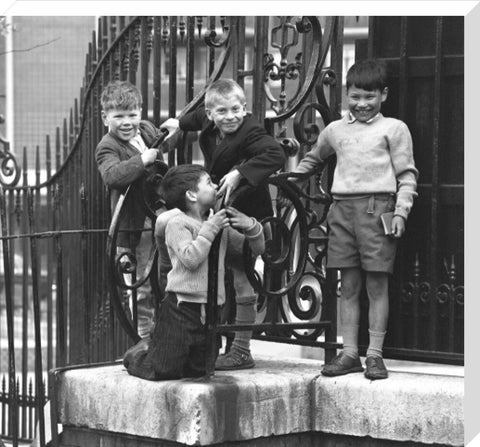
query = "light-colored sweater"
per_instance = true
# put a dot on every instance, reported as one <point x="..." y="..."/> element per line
<point x="372" y="158"/>
<point x="188" y="243"/>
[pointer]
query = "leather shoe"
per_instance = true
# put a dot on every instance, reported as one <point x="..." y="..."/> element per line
<point x="375" y="368"/>
<point x="342" y="364"/>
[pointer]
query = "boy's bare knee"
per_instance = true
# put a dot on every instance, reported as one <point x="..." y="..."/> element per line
<point x="377" y="285"/>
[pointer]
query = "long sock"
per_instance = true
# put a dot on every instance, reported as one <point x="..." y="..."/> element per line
<point x="350" y="340"/>
<point x="376" y="343"/>
<point x="246" y="313"/>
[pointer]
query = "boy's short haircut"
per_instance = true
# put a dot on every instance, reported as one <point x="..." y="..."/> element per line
<point x="223" y="88"/>
<point x="120" y="95"/>
<point x="368" y="74"/>
<point x="177" y="181"/>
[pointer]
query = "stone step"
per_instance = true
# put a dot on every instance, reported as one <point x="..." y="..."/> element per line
<point x="276" y="398"/>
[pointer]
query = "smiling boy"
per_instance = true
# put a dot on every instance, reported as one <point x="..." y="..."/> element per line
<point x="124" y="159"/>
<point x="238" y="152"/>
<point x="375" y="173"/>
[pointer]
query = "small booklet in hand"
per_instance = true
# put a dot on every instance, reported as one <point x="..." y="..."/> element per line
<point x="387" y="222"/>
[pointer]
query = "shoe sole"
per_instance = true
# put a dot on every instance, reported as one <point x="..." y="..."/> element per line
<point x="223" y="368"/>
<point x="376" y="376"/>
<point x="342" y="373"/>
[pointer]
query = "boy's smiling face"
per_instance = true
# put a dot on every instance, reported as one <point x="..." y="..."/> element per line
<point x="365" y="104"/>
<point x="122" y="123"/>
<point x="227" y="114"/>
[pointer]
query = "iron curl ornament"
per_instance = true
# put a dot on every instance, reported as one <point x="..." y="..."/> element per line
<point x="292" y="234"/>
<point x="9" y="170"/>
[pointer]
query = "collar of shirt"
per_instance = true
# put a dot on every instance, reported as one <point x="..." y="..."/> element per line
<point x="352" y="119"/>
<point x="138" y="143"/>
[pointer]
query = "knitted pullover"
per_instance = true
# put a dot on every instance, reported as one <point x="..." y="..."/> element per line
<point x="372" y="158"/>
<point x="189" y="241"/>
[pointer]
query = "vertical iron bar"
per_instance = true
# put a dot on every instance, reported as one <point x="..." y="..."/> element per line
<point x="261" y="48"/>
<point x="22" y="226"/>
<point x="36" y="321"/>
<point x="212" y="308"/>
<point x="85" y="263"/>
<point x="190" y="63"/>
<point x="12" y="390"/>
<point x="403" y="73"/>
<point x="172" y="83"/>
<point x="433" y="252"/>
<point x="371" y="37"/>
<point x="211" y="50"/>
<point x="60" y="309"/>
<point x="157" y="71"/>
<point x="144" y="66"/>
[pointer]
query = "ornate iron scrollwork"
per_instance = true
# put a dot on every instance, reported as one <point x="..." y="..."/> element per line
<point x="9" y="169"/>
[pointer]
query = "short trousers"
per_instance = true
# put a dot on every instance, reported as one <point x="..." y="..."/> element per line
<point x="356" y="236"/>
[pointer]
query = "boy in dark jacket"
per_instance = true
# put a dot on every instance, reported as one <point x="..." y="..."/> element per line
<point x="238" y="152"/>
<point x="124" y="159"/>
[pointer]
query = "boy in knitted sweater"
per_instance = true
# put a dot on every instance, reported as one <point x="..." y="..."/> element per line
<point x="177" y="347"/>
<point x="375" y="173"/>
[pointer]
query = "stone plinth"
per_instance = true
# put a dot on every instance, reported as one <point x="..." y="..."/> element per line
<point x="277" y="398"/>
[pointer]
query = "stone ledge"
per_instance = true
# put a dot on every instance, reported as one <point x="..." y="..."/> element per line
<point x="419" y="408"/>
<point x="278" y="397"/>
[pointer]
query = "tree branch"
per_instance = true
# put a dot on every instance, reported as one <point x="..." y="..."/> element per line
<point x="31" y="48"/>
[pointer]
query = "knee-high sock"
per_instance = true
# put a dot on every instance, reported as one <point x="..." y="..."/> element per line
<point x="246" y="313"/>
<point x="350" y="340"/>
<point x="375" y="346"/>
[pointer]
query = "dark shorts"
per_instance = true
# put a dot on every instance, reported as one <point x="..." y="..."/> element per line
<point x="356" y="236"/>
<point x="177" y="347"/>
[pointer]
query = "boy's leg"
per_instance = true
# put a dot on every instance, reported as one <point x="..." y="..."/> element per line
<point x="165" y="355"/>
<point x="145" y="304"/>
<point x="348" y="360"/>
<point x="377" y="289"/>
<point x="239" y="356"/>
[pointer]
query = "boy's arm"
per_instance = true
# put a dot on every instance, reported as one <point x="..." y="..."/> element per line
<point x="317" y="155"/>
<point x="191" y="251"/>
<point x="193" y="121"/>
<point x="117" y="173"/>
<point x="255" y="238"/>
<point x="244" y="226"/>
<point x="401" y="153"/>
<point x="263" y="156"/>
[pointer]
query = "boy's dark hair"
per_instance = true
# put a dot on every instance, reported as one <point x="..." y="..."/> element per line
<point x="120" y="95"/>
<point x="368" y="74"/>
<point x="177" y="181"/>
<point x="223" y="88"/>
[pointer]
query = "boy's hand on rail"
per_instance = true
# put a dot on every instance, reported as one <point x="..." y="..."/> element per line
<point x="149" y="156"/>
<point x="238" y="220"/>
<point x="229" y="183"/>
<point x="219" y="219"/>
<point x="172" y="125"/>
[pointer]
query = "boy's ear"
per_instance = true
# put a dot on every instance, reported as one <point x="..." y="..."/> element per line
<point x="245" y="109"/>
<point x="104" y="118"/>
<point x="191" y="196"/>
<point x="208" y="112"/>
<point x="384" y="94"/>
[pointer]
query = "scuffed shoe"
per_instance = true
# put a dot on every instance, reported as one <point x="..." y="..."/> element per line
<point x="342" y="364"/>
<point x="234" y="360"/>
<point x="375" y="368"/>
